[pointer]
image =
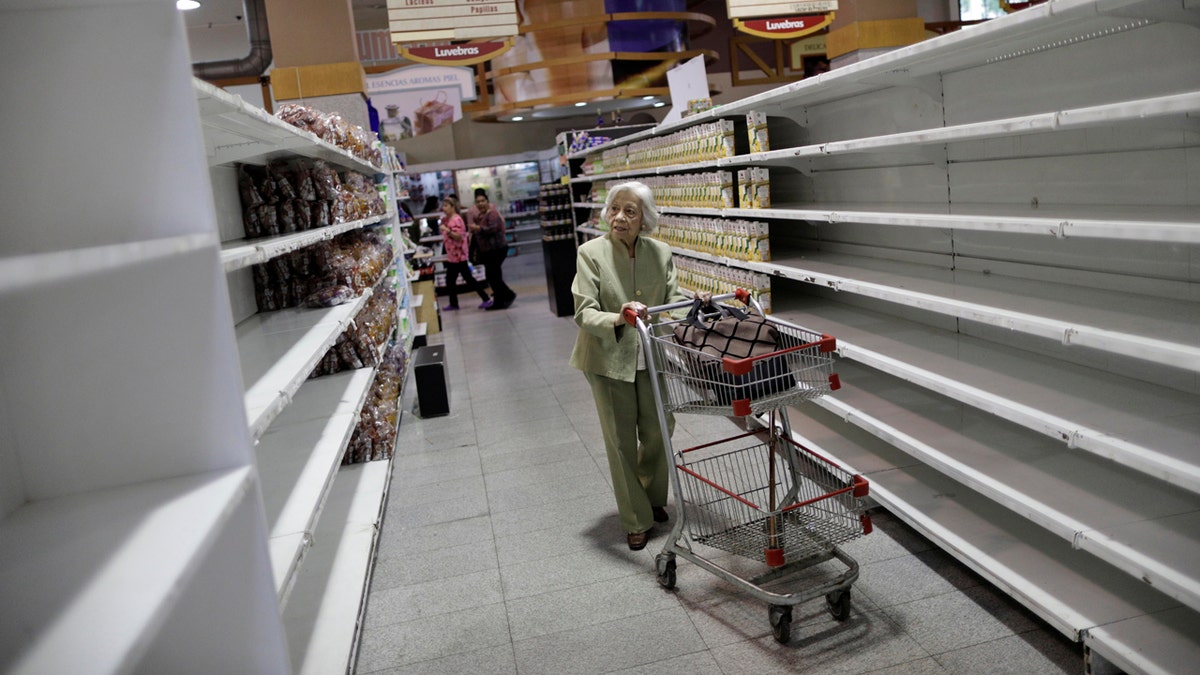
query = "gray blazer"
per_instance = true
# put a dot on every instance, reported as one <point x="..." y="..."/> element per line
<point x="605" y="279"/>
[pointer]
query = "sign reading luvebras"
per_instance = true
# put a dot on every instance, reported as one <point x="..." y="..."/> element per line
<point x="456" y="55"/>
<point x="748" y="9"/>
<point x="437" y="20"/>
<point x="784" y="28"/>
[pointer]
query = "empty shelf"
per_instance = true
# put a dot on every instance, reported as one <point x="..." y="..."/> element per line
<point x="96" y="574"/>
<point x="279" y="350"/>
<point x="298" y="458"/>
<point x="323" y="617"/>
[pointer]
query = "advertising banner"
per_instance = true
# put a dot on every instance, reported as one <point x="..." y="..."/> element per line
<point x="419" y="99"/>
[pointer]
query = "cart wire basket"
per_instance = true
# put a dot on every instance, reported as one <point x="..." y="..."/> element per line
<point x="760" y="495"/>
<point x="769" y="501"/>
<point x="694" y="382"/>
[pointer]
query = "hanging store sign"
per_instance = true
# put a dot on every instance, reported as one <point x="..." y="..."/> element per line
<point x="456" y="55"/>
<point x="784" y="28"/>
<point x="750" y="9"/>
<point x="441" y="20"/>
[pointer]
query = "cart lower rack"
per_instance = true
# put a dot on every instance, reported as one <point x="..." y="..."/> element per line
<point x="758" y="495"/>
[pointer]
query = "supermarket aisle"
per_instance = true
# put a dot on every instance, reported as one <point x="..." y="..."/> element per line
<point x="501" y="551"/>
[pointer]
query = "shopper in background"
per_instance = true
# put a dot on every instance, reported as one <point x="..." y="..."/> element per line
<point x="487" y="225"/>
<point x="614" y="273"/>
<point x="455" y="239"/>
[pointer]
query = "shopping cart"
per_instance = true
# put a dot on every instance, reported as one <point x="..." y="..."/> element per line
<point x="759" y="495"/>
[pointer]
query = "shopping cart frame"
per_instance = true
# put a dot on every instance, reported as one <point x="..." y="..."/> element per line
<point x="805" y="489"/>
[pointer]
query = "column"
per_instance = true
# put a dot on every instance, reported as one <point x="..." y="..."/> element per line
<point x="316" y="57"/>
<point x="864" y="28"/>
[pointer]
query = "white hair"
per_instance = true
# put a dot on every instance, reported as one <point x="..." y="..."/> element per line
<point x="644" y="195"/>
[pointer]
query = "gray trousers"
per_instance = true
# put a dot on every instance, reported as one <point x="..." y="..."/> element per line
<point x="639" y="470"/>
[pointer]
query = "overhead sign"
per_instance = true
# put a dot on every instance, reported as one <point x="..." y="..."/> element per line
<point x="438" y="20"/>
<point x="784" y="28"/>
<point x="748" y="9"/>
<point x="456" y="55"/>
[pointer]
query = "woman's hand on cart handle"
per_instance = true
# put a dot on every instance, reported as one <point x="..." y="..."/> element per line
<point x="705" y="297"/>
<point x="632" y="311"/>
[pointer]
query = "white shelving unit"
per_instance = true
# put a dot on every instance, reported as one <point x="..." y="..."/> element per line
<point x="302" y="426"/>
<point x="170" y="486"/>
<point x="1002" y="228"/>
<point x="132" y="530"/>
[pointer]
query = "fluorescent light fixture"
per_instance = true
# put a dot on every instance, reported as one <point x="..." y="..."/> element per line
<point x="581" y="104"/>
<point x="659" y="104"/>
<point x="518" y="118"/>
<point x="186" y="4"/>
<point x="647" y="98"/>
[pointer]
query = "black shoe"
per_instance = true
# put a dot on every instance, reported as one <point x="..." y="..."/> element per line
<point x="637" y="540"/>
<point x="660" y="514"/>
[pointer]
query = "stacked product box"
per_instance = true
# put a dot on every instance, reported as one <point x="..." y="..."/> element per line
<point x="701" y="275"/>
<point x="745" y="240"/>
<point x="754" y="188"/>
<point x="756" y="129"/>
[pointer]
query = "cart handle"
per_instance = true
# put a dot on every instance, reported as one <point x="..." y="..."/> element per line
<point x="742" y="295"/>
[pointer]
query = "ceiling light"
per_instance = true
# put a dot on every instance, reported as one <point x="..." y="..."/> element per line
<point x="581" y="104"/>
<point x="647" y="98"/>
<point x="518" y="118"/>
<point x="186" y="4"/>
<point x="659" y="104"/>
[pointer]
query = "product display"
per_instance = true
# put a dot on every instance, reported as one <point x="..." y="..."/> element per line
<point x="712" y="190"/>
<point x="333" y="129"/>
<point x="554" y="205"/>
<point x="701" y="143"/>
<point x="359" y="346"/>
<point x="353" y="261"/>
<point x="302" y="194"/>
<point x="701" y="275"/>
<point x="730" y="238"/>
<point x="754" y="188"/>
<point x="375" y="437"/>
<point x="756" y="129"/>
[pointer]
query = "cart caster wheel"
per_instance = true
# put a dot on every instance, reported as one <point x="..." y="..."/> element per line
<point x="839" y="604"/>
<point x="781" y="622"/>
<point x="666" y="572"/>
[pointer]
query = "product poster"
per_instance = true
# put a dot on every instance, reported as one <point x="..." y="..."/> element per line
<point x="419" y="100"/>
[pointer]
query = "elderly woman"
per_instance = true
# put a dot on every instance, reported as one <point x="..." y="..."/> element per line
<point x="625" y="271"/>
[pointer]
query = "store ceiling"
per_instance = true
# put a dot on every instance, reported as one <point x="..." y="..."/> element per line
<point x="368" y="14"/>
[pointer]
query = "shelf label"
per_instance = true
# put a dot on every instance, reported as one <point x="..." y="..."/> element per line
<point x="746" y="9"/>
<point x="433" y="20"/>
<point x="784" y="28"/>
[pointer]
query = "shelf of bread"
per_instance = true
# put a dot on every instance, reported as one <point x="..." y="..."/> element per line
<point x="324" y="613"/>
<point x="235" y="131"/>
<point x="279" y="350"/>
<point x="102" y="606"/>
<point x="298" y="458"/>
<point x="240" y="253"/>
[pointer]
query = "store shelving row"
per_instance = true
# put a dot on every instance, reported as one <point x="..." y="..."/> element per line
<point x="237" y="132"/>
<point x="321" y="516"/>
<point x="1000" y="227"/>
<point x="240" y="253"/>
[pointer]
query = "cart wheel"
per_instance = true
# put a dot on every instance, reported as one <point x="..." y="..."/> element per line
<point x="666" y="572"/>
<point x="781" y="622"/>
<point x="839" y="604"/>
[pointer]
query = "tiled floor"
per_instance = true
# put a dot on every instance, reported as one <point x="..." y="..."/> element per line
<point x="501" y="551"/>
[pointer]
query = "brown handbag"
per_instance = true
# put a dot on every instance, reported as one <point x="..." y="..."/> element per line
<point x="729" y="332"/>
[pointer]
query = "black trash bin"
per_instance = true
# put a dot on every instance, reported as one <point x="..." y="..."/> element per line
<point x="433" y="382"/>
